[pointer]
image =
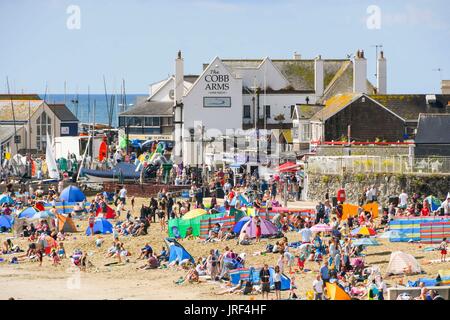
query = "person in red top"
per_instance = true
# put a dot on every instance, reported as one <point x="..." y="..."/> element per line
<point x="341" y="195"/>
<point x="231" y="194"/>
<point x="91" y="223"/>
<point x="258" y="229"/>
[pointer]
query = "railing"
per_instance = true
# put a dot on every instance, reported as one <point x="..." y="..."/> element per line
<point x="378" y="164"/>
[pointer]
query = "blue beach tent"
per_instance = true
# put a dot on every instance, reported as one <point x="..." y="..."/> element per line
<point x="27" y="213"/>
<point x="238" y="226"/>
<point x="5" y="222"/>
<point x="72" y="194"/>
<point x="101" y="226"/>
<point x="177" y="251"/>
<point x="6" y="199"/>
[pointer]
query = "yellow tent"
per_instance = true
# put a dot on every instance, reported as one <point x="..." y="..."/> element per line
<point x="336" y="293"/>
<point x="349" y="210"/>
<point x="371" y="207"/>
<point x="194" y="214"/>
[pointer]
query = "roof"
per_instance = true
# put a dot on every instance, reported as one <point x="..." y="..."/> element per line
<point x="151" y="108"/>
<point x="300" y="72"/>
<point x="433" y="129"/>
<point x="306" y="111"/>
<point x="191" y="78"/>
<point x="22" y="109"/>
<point x="410" y="106"/>
<point x="31" y="96"/>
<point x="62" y="112"/>
<point x="334" y="105"/>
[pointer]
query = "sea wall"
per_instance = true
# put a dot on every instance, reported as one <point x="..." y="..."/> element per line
<point x="373" y="150"/>
<point x="387" y="184"/>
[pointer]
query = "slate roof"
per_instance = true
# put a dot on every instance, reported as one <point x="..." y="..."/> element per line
<point x="334" y="105"/>
<point x="306" y="111"/>
<point x="150" y="108"/>
<point x="62" y="112"/>
<point x="433" y="129"/>
<point x="31" y="96"/>
<point x="300" y="72"/>
<point x="410" y="106"/>
<point x="6" y="132"/>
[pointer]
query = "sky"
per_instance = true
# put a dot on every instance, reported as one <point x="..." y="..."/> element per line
<point x="48" y="42"/>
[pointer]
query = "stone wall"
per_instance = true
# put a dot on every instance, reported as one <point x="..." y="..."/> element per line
<point x="387" y="184"/>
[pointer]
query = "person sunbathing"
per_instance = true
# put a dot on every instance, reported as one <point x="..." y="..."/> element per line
<point x="152" y="263"/>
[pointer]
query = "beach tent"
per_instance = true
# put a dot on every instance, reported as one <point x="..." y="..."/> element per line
<point x="110" y="214"/>
<point x="5" y="222"/>
<point x="444" y="277"/>
<point x="394" y="236"/>
<point x="243" y="201"/>
<point x="365" y="242"/>
<point x="267" y="228"/>
<point x="6" y="199"/>
<point x="72" y="194"/>
<point x="252" y="274"/>
<point x="27" y="213"/>
<point x="43" y="215"/>
<point x="434" y="202"/>
<point x="288" y="167"/>
<point x="400" y="262"/>
<point x="101" y="226"/>
<point x="371" y="207"/>
<point x="238" y="226"/>
<point x="177" y="251"/>
<point x="335" y="292"/>
<point x="194" y="214"/>
<point x="65" y="224"/>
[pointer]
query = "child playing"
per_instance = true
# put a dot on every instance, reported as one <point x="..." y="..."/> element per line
<point x="277" y="283"/>
<point x="443" y="248"/>
<point x="61" y="251"/>
<point x="55" y="257"/>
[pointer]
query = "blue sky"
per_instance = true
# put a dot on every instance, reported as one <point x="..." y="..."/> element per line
<point x="138" y="39"/>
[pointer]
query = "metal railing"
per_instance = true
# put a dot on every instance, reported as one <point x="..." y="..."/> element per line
<point x="378" y="164"/>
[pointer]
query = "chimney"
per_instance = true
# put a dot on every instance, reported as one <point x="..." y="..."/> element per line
<point x="297" y="56"/>
<point x="318" y="76"/>
<point x="360" y="73"/>
<point x="179" y="79"/>
<point x="381" y="74"/>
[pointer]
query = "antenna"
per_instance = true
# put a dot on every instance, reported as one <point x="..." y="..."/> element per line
<point x="440" y="72"/>
<point x="376" y="58"/>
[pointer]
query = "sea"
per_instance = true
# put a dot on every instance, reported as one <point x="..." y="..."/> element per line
<point x="83" y="110"/>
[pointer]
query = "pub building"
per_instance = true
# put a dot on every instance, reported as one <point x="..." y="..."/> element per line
<point x="240" y="110"/>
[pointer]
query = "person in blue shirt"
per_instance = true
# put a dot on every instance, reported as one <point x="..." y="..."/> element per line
<point x="163" y="255"/>
<point x="325" y="272"/>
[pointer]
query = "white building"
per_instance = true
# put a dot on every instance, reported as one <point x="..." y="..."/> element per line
<point x="214" y="110"/>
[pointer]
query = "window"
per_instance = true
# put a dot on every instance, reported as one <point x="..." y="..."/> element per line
<point x="306" y="135"/>
<point x="156" y="122"/>
<point x="247" y="111"/>
<point x="267" y="111"/>
<point x="43" y="127"/>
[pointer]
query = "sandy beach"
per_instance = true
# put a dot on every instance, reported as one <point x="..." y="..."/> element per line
<point x="27" y="280"/>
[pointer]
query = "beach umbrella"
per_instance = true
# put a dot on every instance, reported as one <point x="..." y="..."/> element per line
<point x="194" y="214"/>
<point x="6" y="199"/>
<point x="366" y="242"/>
<point x="321" y="227"/>
<point x="72" y="194"/>
<point x="364" y="231"/>
<point x="27" y="213"/>
<point x="434" y="202"/>
<point x="5" y="222"/>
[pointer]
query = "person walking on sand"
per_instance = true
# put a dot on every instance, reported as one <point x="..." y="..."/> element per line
<point x="443" y="248"/>
<point x="264" y="275"/>
<point x="258" y="229"/>
<point x="277" y="283"/>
